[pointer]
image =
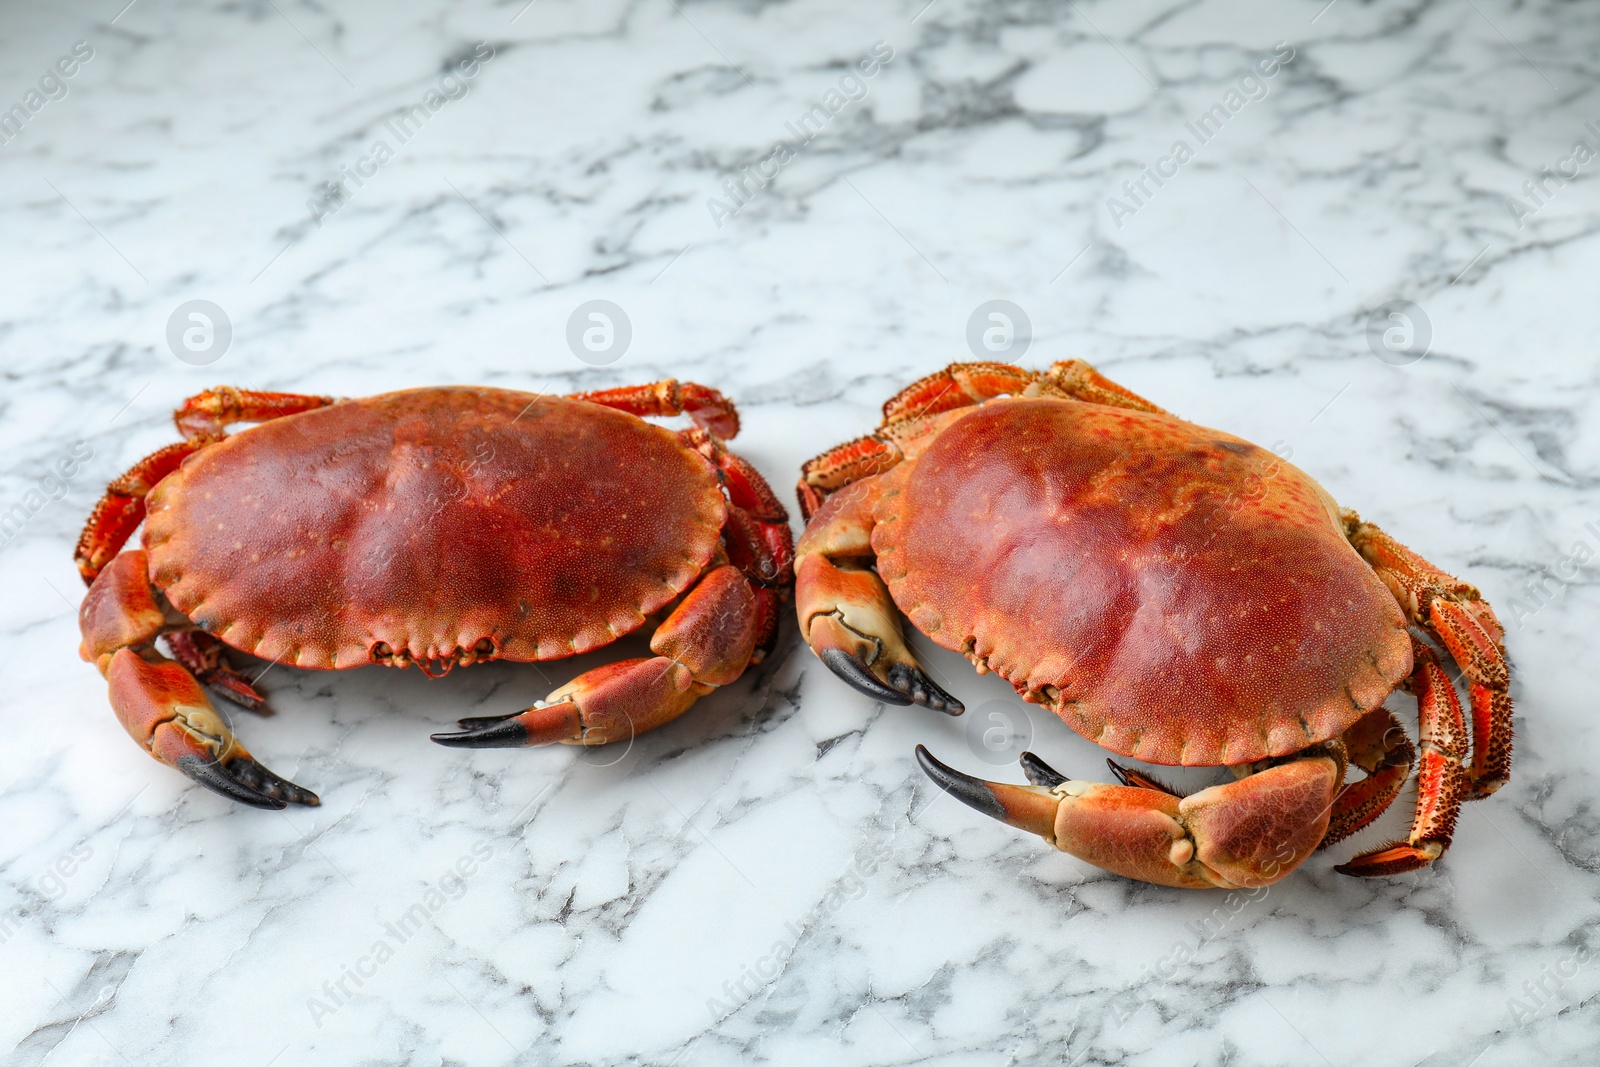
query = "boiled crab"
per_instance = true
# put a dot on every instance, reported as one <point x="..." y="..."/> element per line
<point x="435" y="527"/>
<point x="1173" y="593"/>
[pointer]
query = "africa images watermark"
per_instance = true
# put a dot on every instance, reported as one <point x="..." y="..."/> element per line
<point x="1542" y="188"/>
<point x="405" y="124"/>
<point x="1124" y="1004"/>
<point x="1205" y="128"/>
<point x="1214" y="513"/>
<point x="450" y="887"/>
<point x="52" y="86"/>
<point x="1543" y="992"/>
<point x="758" y="175"/>
<point x="1551" y="582"/>
<point x="752" y="977"/>
<point x="51" y="885"/>
<point x="52" y="487"/>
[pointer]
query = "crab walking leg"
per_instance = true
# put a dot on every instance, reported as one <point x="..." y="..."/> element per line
<point x="964" y="384"/>
<point x="709" y="409"/>
<point x="158" y="701"/>
<point x="846" y="613"/>
<point x="1378" y="744"/>
<point x="764" y="553"/>
<point x="1081" y="381"/>
<point x="1441" y="777"/>
<point x="205" y="415"/>
<point x="756" y="538"/>
<point x="854" y="461"/>
<point x="707" y="641"/>
<point x="201" y="420"/>
<point x="843" y="465"/>
<point x="912" y="417"/>
<point x="1041" y="773"/>
<point x="1130" y="776"/>
<point x="957" y="386"/>
<point x="121" y="510"/>
<point x="1456" y="613"/>
<point x="757" y="535"/>
<point x="1244" y="834"/>
<point x="1491" y="760"/>
<point x="762" y="549"/>
<point x="205" y="658"/>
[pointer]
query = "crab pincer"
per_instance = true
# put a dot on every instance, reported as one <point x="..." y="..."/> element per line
<point x="846" y="614"/>
<point x="159" y="701"/>
<point x="610" y="703"/>
<point x="1247" y="833"/>
<point x="707" y="641"/>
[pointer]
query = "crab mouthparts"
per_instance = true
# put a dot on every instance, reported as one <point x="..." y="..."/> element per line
<point x="481" y="652"/>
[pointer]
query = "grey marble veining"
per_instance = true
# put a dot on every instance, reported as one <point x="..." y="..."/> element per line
<point x="771" y="879"/>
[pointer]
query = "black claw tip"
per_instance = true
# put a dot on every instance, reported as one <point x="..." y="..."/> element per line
<point x="1140" y="780"/>
<point x="970" y="791"/>
<point x="913" y="682"/>
<point x="1039" y="772"/>
<point x="497" y="733"/>
<point x="852" y="671"/>
<point x="1118" y="771"/>
<point x="212" y="775"/>
<point x="250" y="774"/>
<point x="480" y="721"/>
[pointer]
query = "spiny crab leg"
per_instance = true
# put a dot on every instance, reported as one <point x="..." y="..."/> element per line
<point x="706" y="406"/>
<point x="158" y="701"/>
<point x="201" y="420"/>
<point x="1454" y="613"/>
<point x="1130" y="776"/>
<point x="1441" y="775"/>
<point x="1378" y="744"/>
<point x="964" y="384"/>
<point x="957" y="386"/>
<point x="121" y="510"/>
<point x="206" y="415"/>
<point x="1251" y="832"/>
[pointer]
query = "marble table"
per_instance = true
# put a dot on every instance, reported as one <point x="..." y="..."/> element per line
<point x="1373" y="248"/>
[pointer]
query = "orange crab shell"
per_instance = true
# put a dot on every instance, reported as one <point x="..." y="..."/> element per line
<point x="1168" y="650"/>
<point x="434" y="521"/>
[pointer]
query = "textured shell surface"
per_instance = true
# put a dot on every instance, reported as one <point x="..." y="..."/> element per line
<point x="1174" y="593"/>
<point x="430" y="520"/>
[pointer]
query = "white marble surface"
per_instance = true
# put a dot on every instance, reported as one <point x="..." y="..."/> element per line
<point x="771" y="879"/>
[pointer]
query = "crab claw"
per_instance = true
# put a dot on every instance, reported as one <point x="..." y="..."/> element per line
<point x="162" y="706"/>
<point x="1027" y="807"/>
<point x="1038" y="771"/>
<point x="1247" y="833"/>
<point x="902" y="683"/>
<point x="245" y="780"/>
<point x="847" y="616"/>
<point x="613" y="702"/>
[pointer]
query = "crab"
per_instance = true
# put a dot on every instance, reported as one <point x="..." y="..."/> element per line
<point x="436" y="527"/>
<point x="1173" y="593"/>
